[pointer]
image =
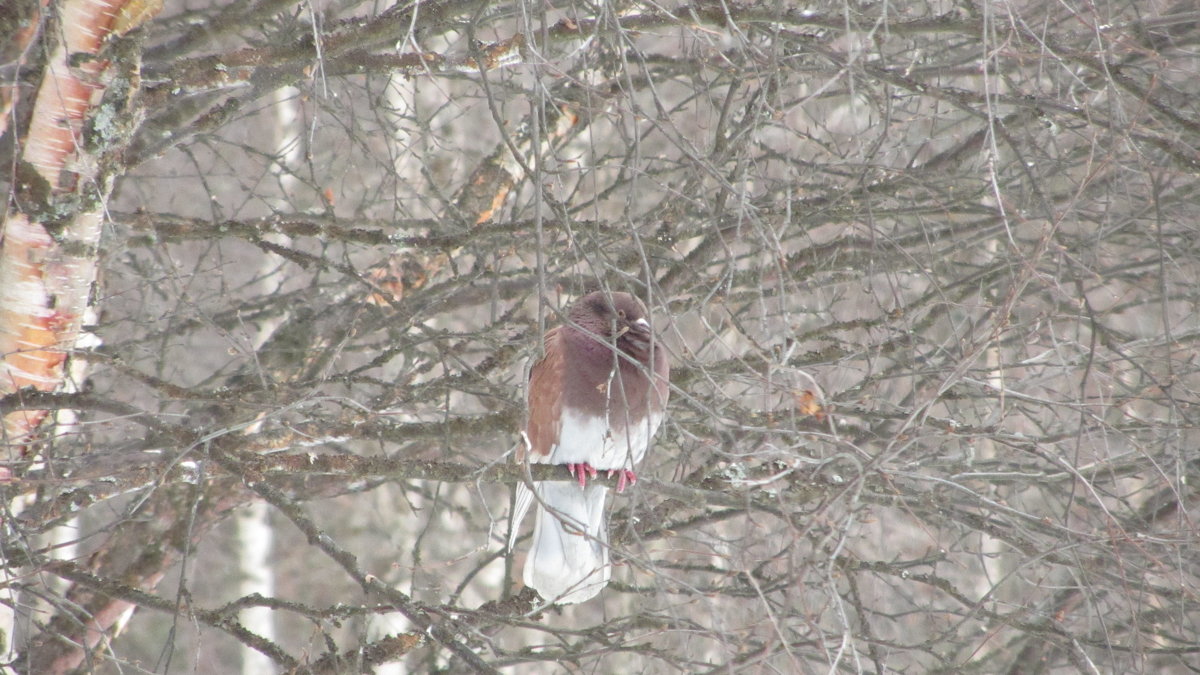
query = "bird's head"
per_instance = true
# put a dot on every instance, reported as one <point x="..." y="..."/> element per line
<point x="619" y="317"/>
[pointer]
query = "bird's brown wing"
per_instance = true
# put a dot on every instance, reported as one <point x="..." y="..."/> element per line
<point x="545" y="398"/>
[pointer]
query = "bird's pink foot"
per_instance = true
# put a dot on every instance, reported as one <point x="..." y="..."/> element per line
<point x="585" y="471"/>
<point x="624" y="477"/>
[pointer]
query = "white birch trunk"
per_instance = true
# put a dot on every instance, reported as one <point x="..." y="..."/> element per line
<point x="255" y="537"/>
<point x="45" y="280"/>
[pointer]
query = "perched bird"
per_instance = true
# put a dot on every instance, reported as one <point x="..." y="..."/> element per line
<point x="596" y="398"/>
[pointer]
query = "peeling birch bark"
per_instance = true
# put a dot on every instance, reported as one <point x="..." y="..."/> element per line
<point x="48" y="244"/>
<point x="49" y="239"/>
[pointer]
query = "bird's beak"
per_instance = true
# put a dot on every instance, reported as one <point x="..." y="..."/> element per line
<point x="639" y="334"/>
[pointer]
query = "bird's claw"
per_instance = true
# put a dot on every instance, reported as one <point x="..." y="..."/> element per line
<point x="585" y="471"/>
<point x="624" y="477"/>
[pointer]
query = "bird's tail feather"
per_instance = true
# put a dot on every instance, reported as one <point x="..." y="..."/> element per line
<point x="524" y="499"/>
<point x="568" y="560"/>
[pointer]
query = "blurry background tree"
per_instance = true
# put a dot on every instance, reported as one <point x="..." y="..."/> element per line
<point x="928" y="272"/>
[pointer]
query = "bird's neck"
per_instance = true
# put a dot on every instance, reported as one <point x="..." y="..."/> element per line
<point x="594" y="385"/>
<point x="590" y="351"/>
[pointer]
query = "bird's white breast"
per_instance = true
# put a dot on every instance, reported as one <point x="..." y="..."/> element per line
<point x="594" y="440"/>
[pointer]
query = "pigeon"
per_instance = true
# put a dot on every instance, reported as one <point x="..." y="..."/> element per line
<point x="596" y="399"/>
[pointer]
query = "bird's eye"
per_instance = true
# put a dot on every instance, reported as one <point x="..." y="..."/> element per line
<point x="620" y="314"/>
